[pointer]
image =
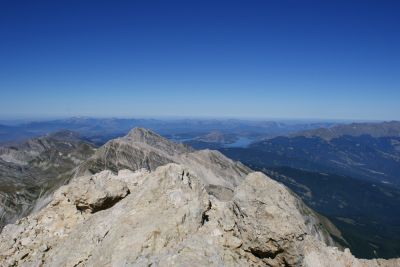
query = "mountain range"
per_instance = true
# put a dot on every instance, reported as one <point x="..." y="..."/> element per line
<point x="349" y="173"/>
<point x="382" y="129"/>
<point x="99" y="130"/>
<point x="142" y="200"/>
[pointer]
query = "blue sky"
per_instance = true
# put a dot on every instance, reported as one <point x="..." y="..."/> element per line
<point x="256" y="59"/>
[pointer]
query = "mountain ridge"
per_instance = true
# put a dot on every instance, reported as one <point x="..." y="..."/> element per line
<point x="385" y="129"/>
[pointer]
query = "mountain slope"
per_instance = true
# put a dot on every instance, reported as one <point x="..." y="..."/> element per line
<point x="33" y="169"/>
<point x="353" y="178"/>
<point x="365" y="157"/>
<point x="363" y="211"/>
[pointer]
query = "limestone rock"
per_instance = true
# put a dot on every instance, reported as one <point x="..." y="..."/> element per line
<point x="167" y="218"/>
<point x="91" y="194"/>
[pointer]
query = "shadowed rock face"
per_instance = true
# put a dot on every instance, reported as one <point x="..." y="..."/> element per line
<point x="201" y="210"/>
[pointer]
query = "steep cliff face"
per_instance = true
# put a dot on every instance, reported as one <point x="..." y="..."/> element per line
<point x="201" y="210"/>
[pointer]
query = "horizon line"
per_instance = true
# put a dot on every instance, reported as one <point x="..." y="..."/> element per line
<point x="29" y="119"/>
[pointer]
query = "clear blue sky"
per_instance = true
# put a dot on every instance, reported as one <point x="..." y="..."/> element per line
<point x="265" y="59"/>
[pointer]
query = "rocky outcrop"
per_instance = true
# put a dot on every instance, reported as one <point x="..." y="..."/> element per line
<point x="167" y="218"/>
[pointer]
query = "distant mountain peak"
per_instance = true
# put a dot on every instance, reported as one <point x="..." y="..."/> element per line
<point x="142" y="134"/>
<point x="154" y="140"/>
<point x="64" y="135"/>
<point x="142" y="148"/>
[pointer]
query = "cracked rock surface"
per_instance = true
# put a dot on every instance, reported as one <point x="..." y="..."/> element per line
<point x="167" y="218"/>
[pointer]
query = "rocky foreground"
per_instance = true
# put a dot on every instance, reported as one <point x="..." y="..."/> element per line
<point x="143" y="201"/>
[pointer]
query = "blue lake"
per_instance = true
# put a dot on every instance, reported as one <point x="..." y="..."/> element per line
<point x="241" y="142"/>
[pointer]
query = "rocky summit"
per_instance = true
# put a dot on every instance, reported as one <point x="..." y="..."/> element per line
<point x="141" y="200"/>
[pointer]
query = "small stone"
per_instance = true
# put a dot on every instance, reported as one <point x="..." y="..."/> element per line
<point x="43" y="248"/>
<point x="232" y="241"/>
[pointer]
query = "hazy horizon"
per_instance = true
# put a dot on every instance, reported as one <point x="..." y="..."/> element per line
<point x="22" y="120"/>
